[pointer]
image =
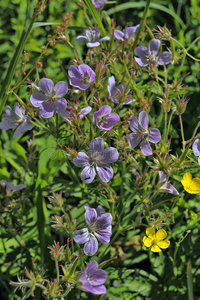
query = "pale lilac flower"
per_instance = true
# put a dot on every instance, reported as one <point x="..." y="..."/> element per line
<point x="51" y="98"/>
<point x="93" y="279"/>
<point x="104" y="118"/>
<point x="99" y="229"/>
<point x="16" y="119"/>
<point x="149" y="56"/>
<point x="97" y="160"/>
<point x="127" y="33"/>
<point x="84" y="111"/>
<point x="196" y="149"/>
<point x="141" y="134"/>
<point x="115" y="92"/>
<point x="92" y="38"/>
<point x="98" y="3"/>
<point x="165" y="186"/>
<point x="81" y="76"/>
<point x="10" y="188"/>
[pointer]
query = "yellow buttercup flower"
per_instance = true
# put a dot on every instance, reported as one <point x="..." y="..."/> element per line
<point x="155" y="239"/>
<point x="191" y="186"/>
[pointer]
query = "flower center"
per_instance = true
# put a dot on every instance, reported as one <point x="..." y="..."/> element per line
<point x="85" y="78"/>
<point x="102" y="120"/>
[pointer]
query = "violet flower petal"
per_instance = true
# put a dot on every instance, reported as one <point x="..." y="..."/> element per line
<point x="99" y="290"/>
<point x="84" y="111"/>
<point x="81" y="160"/>
<point x="91" y="247"/>
<point x="105" y="38"/>
<point x="81" y="38"/>
<point x="154" y="135"/>
<point x="88" y="174"/>
<point x="60" y="105"/>
<point x="47" y="109"/>
<point x="134" y="139"/>
<point x="100" y="210"/>
<point x="104" y="221"/>
<point x="37" y="99"/>
<point x="111" y="84"/>
<point x="92" y="44"/>
<point x="105" y="172"/>
<point x="164" y="58"/>
<point x="103" y="235"/>
<point x="46" y="85"/>
<point x="81" y="236"/>
<point x="133" y="123"/>
<point x="61" y="89"/>
<point x="196" y="147"/>
<point x="19" y="110"/>
<point x="141" y="62"/>
<point x="143" y="119"/>
<point x="143" y="54"/>
<point x="109" y="155"/>
<point x="5" y="125"/>
<point x="90" y="216"/>
<point x="146" y="148"/>
<point x="154" y="46"/>
<point x="96" y="145"/>
<point x="100" y="277"/>
<point x="119" y="35"/>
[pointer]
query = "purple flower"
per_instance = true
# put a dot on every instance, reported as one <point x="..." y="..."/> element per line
<point x="165" y="186"/>
<point x="141" y="134"/>
<point x="127" y="33"/>
<point x="116" y="93"/>
<point x="51" y="99"/>
<point x="93" y="279"/>
<point x="104" y="118"/>
<point x="98" y="3"/>
<point x="16" y="119"/>
<point x="196" y="149"/>
<point x="92" y="38"/>
<point x="84" y="111"/>
<point x="99" y="229"/>
<point x="81" y="76"/>
<point x="10" y="188"/>
<point x="149" y="56"/>
<point x="97" y="160"/>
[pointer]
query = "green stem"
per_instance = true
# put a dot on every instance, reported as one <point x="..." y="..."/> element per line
<point x="57" y="270"/>
<point x="182" y="132"/>
<point x="14" y="62"/>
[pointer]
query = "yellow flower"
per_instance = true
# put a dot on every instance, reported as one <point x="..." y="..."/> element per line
<point x="155" y="240"/>
<point x="191" y="186"/>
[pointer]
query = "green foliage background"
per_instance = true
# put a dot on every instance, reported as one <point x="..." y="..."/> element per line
<point x="28" y="233"/>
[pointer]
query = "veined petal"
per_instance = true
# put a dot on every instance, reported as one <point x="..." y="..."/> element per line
<point x="90" y="216"/>
<point x="104" y="235"/>
<point x="146" y="148"/>
<point x="143" y="119"/>
<point x="47" y="109"/>
<point x="99" y="290"/>
<point x="104" y="221"/>
<point x="81" y="38"/>
<point x="111" y="85"/>
<point x="154" y="46"/>
<point x="60" y="105"/>
<point x="134" y="139"/>
<point x="96" y="146"/>
<point x="100" y="210"/>
<point x="81" y="236"/>
<point x="81" y="160"/>
<point x="154" y="135"/>
<point x="155" y="248"/>
<point x="161" y="234"/>
<point x="61" y="88"/>
<point x="109" y="155"/>
<point x="196" y="147"/>
<point x="164" y="58"/>
<point x="105" y="172"/>
<point x="147" y="241"/>
<point x="88" y="174"/>
<point x="91" y="247"/>
<point x="142" y="52"/>
<point x="133" y="123"/>
<point x="100" y="277"/>
<point x="19" y="110"/>
<point x="37" y="99"/>
<point x="94" y="44"/>
<point x="46" y="85"/>
<point x="141" y="62"/>
<point x="164" y="244"/>
<point x="118" y="35"/>
<point x="150" y="232"/>
<point x="91" y="267"/>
